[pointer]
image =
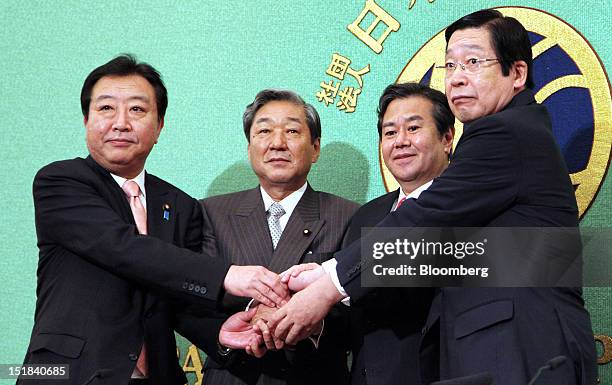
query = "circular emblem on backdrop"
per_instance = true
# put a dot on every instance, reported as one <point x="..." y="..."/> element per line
<point x="569" y="80"/>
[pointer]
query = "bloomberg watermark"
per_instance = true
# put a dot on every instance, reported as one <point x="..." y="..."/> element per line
<point x="485" y="257"/>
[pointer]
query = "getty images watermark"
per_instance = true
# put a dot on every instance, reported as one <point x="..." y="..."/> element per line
<point x="486" y="257"/>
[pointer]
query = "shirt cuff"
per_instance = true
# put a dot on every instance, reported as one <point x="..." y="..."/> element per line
<point x="330" y="267"/>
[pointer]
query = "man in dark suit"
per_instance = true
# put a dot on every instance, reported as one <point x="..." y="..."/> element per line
<point x="415" y="128"/>
<point x="283" y="134"/>
<point x="507" y="171"/>
<point x="117" y="242"/>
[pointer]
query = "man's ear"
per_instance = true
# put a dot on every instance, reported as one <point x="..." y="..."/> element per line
<point x="317" y="150"/>
<point x="519" y="72"/>
<point x="160" y="126"/>
<point x="447" y="138"/>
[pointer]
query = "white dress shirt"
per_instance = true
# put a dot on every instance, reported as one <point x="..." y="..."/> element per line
<point x="289" y="203"/>
<point x="140" y="181"/>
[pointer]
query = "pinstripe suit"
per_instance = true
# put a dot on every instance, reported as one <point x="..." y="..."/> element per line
<point x="235" y="228"/>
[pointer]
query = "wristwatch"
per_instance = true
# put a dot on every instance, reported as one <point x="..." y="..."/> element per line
<point x="223" y="350"/>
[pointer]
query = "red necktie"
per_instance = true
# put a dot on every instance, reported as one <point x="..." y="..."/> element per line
<point x="401" y="202"/>
<point x="132" y="191"/>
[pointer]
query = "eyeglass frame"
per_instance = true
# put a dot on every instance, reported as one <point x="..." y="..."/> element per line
<point x="463" y="65"/>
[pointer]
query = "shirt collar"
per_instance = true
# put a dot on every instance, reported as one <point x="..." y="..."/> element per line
<point x="414" y="194"/>
<point x="140" y="181"/>
<point x="289" y="202"/>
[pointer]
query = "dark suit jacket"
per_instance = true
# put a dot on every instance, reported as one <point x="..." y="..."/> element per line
<point x="507" y="171"/>
<point x="386" y="325"/>
<point x="95" y="274"/>
<point x="235" y="226"/>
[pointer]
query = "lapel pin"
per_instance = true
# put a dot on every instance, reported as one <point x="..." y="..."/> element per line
<point x="166" y="212"/>
<point x="306" y="232"/>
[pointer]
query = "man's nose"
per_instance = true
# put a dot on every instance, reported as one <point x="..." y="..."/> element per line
<point x="403" y="138"/>
<point x="122" y="122"/>
<point x="457" y="77"/>
<point x="279" y="140"/>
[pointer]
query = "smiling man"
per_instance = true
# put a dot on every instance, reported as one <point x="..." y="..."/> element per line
<point x="280" y="223"/>
<point x="507" y="171"/>
<point x="415" y="128"/>
<point x="117" y="243"/>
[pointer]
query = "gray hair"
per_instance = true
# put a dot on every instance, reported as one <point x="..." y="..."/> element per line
<point x="268" y="95"/>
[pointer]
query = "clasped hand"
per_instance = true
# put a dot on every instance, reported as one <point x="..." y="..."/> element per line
<point x="267" y="327"/>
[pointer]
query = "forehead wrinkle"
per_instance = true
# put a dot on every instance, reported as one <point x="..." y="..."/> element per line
<point x="143" y="98"/>
<point x="292" y="119"/>
<point x="403" y="119"/>
<point x="476" y="47"/>
<point x="267" y="119"/>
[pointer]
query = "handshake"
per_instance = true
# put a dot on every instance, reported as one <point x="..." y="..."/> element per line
<point x="289" y="308"/>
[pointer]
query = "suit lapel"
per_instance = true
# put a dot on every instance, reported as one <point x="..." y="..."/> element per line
<point x="383" y="207"/>
<point x="250" y="226"/>
<point x="114" y="192"/>
<point x="161" y="215"/>
<point x="301" y="230"/>
<point x="158" y="198"/>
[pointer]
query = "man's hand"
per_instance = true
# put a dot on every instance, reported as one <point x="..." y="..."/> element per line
<point x="263" y="313"/>
<point x="301" y="315"/>
<point x="256" y="282"/>
<point x="260" y="323"/>
<point x="237" y="331"/>
<point x="299" y="277"/>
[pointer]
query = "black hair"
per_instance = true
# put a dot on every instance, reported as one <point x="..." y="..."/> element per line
<point x="441" y="112"/>
<point x="125" y="65"/>
<point x="508" y="37"/>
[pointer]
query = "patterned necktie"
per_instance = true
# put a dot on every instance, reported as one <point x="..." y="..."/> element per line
<point x="132" y="191"/>
<point x="401" y="202"/>
<point x="275" y="212"/>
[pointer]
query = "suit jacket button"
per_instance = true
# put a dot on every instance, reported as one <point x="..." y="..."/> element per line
<point x="185" y="285"/>
<point x="203" y="289"/>
<point x="424" y="330"/>
<point x="197" y="288"/>
<point x="191" y="285"/>
<point x="363" y="371"/>
<point x="133" y="356"/>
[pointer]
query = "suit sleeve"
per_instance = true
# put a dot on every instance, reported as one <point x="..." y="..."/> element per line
<point x="202" y="328"/>
<point x="71" y="214"/>
<point x="481" y="181"/>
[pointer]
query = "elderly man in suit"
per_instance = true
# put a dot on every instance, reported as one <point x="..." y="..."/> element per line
<point x="280" y="223"/>
<point x="117" y="243"/>
<point x="507" y="171"/>
<point x="415" y="128"/>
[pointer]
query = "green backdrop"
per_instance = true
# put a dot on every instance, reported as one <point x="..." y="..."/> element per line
<point x="214" y="57"/>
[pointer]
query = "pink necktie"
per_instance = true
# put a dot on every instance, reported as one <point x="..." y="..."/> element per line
<point x="401" y="202"/>
<point x="132" y="191"/>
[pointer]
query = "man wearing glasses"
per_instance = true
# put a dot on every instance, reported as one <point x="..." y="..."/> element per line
<point x="507" y="171"/>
